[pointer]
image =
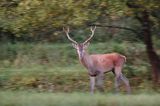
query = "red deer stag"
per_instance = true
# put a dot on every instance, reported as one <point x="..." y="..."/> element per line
<point x="98" y="64"/>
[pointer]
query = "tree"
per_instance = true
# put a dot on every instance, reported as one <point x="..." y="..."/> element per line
<point x="142" y="10"/>
<point x="34" y="17"/>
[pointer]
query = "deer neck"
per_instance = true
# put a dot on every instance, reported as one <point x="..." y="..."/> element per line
<point x="86" y="60"/>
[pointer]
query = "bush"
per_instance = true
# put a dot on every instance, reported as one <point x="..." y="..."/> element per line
<point x="56" y="66"/>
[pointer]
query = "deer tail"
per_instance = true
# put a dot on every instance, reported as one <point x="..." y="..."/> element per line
<point x="124" y="57"/>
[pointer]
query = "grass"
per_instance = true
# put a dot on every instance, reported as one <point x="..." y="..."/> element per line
<point x="22" y="98"/>
<point x="62" y="79"/>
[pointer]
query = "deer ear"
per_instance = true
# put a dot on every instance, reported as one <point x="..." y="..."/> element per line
<point x="74" y="45"/>
<point x="86" y="45"/>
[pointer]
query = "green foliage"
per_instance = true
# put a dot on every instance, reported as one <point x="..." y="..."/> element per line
<point x="24" y="54"/>
<point x="40" y="19"/>
<point x="55" y="67"/>
<point x="32" y="16"/>
<point x="150" y="5"/>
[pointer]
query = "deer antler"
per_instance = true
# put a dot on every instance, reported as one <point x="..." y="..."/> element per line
<point x="67" y="33"/>
<point x="92" y="30"/>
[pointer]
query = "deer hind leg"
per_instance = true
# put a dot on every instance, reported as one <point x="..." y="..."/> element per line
<point x="126" y="81"/>
<point x="117" y="77"/>
<point x="120" y="77"/>
<point x="100" y="82"/>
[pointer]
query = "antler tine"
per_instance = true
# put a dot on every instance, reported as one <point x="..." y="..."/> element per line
<point x="67" y="33"/>
<point x="92" y="30"/>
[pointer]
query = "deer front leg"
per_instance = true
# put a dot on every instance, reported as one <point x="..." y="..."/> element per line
<point x="100" y="82"/>
<point x="92" y="84"/>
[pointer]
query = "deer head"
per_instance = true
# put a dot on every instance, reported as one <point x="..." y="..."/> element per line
<point x="80" y="47"/>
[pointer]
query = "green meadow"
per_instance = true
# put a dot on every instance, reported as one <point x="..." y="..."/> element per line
<point x="51" y="75"/>
<point x="20" y="98"/>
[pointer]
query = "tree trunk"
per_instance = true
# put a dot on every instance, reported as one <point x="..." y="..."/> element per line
<point x="144" y="19"/>
<point x="152" y="55"/>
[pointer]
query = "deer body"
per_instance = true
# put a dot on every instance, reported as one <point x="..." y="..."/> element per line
<point x="98" y="64"/>
<point x="102" y="63"/>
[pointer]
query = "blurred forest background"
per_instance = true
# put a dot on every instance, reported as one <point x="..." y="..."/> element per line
<point x="36" y="55"/>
